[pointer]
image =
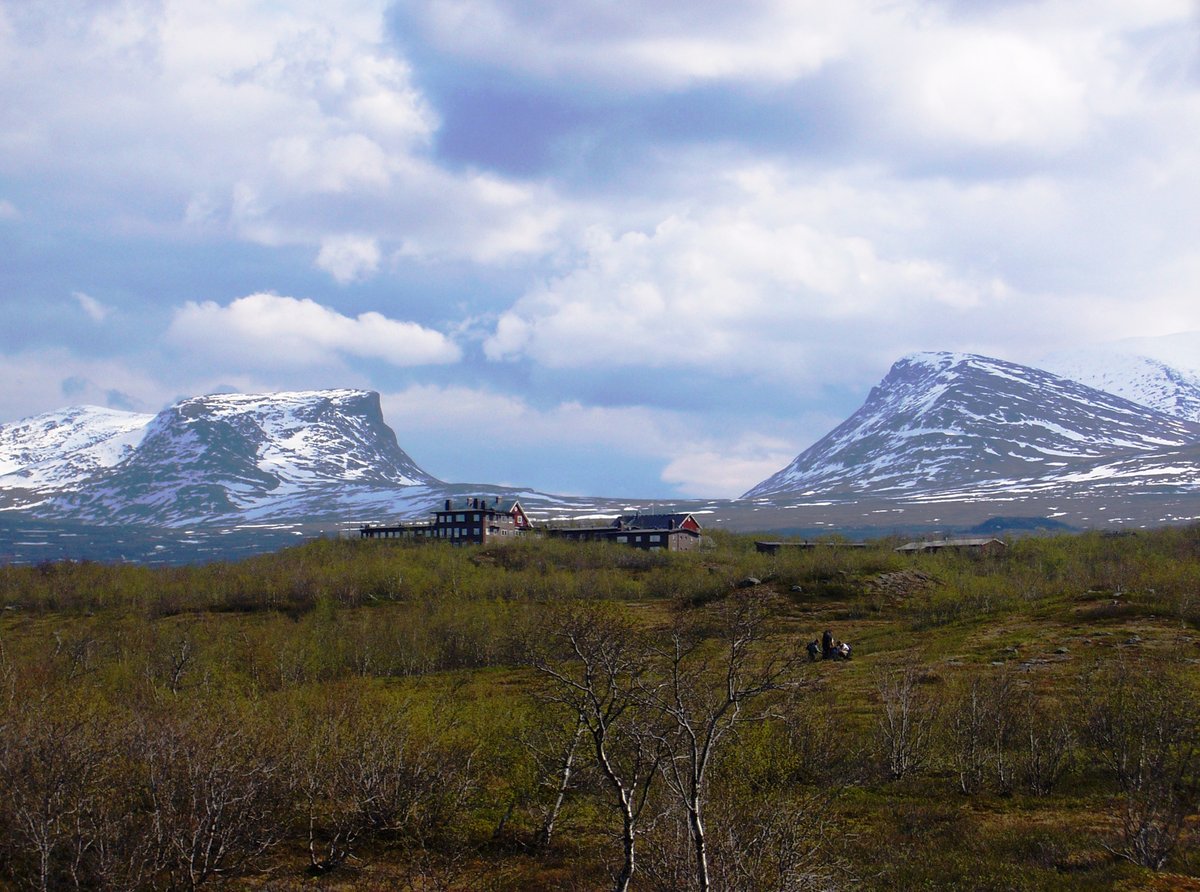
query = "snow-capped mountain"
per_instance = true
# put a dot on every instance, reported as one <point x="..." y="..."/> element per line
<point x="1140" y="379"/>
<point x="211" y="458"/>
<point x="59" y="450"/>
<point x="281" y="439"/>
<point x="939" y="428"/>
<point x="1180" y="350"/>
<point x="965" y="424"/>
<point x="227" y="460"/>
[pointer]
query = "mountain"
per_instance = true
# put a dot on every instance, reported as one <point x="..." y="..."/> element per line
<point x="943" y="438"/>
<point x="266" y="464"/>
<point x="58" y="451"/>
<point x="1140" y="379"/>
<point x="1180" y="350"/>
<point x="962" y="425"/>
<point x="212" y="458"/>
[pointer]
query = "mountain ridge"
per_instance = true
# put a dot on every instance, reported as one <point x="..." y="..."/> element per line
<point x="59" y="451"/>
<point x="953" y="422"/>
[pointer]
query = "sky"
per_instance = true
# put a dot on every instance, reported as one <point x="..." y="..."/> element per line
<point x="586" y="246"/>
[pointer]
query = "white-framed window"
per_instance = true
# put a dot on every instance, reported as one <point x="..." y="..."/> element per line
<point x="460" y="518"/>
<point x="623" y="539"/>
<point x="656" y="538"/>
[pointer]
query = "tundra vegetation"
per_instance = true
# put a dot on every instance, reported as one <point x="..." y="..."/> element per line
<point x="565" y="716"/>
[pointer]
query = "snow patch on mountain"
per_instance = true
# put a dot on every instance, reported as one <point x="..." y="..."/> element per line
<point x="1140" y="379"/>
<point x="60" y="450"/>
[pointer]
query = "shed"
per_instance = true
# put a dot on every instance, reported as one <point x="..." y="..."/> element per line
<point x="975" y="543"/>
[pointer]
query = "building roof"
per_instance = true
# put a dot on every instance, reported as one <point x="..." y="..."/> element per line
<point x="653" y="521"/>
<point x="966" y="542"/>
<point x="500" y="506"/>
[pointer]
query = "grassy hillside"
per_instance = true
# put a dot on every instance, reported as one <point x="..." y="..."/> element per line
<point x="379" y="715"/>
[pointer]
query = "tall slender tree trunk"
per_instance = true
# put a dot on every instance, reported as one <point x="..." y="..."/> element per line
<point x="564" y="781"/>
<point x="627" y="842"/>
<point x="699" y="845"/>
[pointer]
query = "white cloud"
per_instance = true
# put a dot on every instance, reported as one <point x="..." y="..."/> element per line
<point x="811" y="273"/>
<point x="39" y="381"/>
<point x="730" y="470"/>
<point x="95" y="310"/>
<point x="748" y="286"/>
<point x="349" y="258"/>
<point x="1027" y="77"/>
<point x="285" y="124"/>
<point x="457" y="408"/>
<point x="338" y="164"/>
<point x="268" y="330"/>
<point x="715" y="464"/>
<point x="981" y="87"/>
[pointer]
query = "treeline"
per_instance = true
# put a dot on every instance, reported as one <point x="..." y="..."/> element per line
<point x="546" y="715"/>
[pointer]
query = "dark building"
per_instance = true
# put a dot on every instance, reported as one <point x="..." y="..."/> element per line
<point x="776" y="547"/>
<point x="462" y="522"/>
<point x="652" y="532"/>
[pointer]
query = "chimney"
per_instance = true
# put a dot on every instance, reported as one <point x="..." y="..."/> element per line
<point x="447" y="504"/>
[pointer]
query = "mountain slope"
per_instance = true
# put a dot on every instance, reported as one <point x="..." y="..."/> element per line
<point x="949" y="421"/>
<point x="60" y="450"/>
<point x="1140" y="379"/>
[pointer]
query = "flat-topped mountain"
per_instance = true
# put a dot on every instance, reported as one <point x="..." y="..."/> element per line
<point x="952" y="422"/>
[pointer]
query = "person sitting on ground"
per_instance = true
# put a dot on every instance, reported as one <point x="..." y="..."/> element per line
<point x="814" y="648"/>
<point x="843" y="650"/>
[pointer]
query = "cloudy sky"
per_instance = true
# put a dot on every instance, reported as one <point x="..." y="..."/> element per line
<point x="583" y="245"/>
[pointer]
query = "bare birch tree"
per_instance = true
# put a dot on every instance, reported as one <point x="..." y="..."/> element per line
<point x="598" y="676"/>
<point x="906" y="719"/>
<point x="1145" y="726"/>
<point x="560" y="778"/>
<point x="703" y="691"/>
